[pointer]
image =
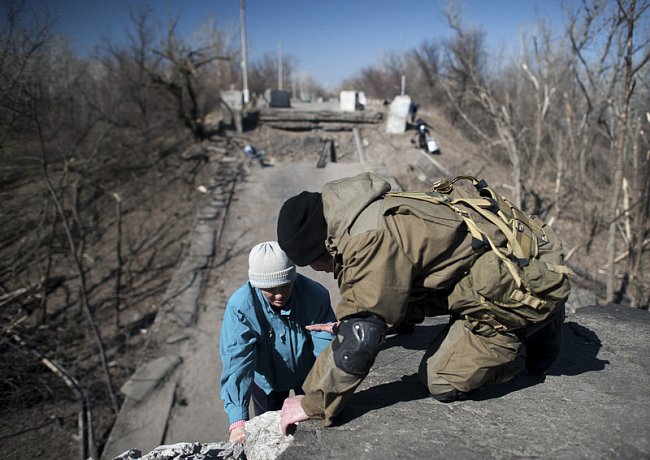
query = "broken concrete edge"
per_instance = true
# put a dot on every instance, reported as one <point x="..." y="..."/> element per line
<point x="264" y="440"/>
<point x="196" y="451"/>
<point x="142" y="423"/>
<point x="264" y="437"/>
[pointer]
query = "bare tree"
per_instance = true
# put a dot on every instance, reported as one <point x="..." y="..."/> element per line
<point x="372" y="80"/>
<point x="638" y="212"/>
<point x="163" y="73"/>
<point x="544" y="95"/>
<point x="596" y="40"/>
<point x="464" y="59"/>
<point x="306" y="88"/>
<point x="21" y="40"/>
<point x="381" y="81"/>
<point x="608" y="85"/>
<point x="34" y="94"/>
<point x="427" y="60"/>
<point x="263" y="72"/>
<point x="185" y="63"/>
<point x="488" y="111"/>
<point x="48" y="123"/>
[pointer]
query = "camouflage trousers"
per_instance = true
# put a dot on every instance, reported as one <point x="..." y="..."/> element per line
<point x="462" y="360"/>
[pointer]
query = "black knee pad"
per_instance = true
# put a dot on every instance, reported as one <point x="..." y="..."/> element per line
<point x="357" y="344"/>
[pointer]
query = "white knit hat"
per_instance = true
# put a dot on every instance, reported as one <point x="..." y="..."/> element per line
<point x="269" y="266"/>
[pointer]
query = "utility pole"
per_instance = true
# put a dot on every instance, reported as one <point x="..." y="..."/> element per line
<point x="280" y="66"/>
<point x="244" y="50"/>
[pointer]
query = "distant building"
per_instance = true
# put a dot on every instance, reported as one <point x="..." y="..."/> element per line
<point x="352" y="100"/>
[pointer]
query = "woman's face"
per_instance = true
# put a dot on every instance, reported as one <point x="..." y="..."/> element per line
<point x="278" y="296"/>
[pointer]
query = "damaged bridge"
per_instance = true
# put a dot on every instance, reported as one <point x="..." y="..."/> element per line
<point x="327" y="120"/>
<point x="594" y="403"/>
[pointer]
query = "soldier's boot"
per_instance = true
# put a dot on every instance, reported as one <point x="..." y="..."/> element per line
<point x="450" y="396"/>
<point x="402" y="328"/>
<point x="543" y="347"/>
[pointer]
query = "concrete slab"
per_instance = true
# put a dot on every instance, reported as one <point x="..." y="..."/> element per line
<point x="147" y="377"/>
<point x="396" y="123"/>
<point x="348" y="101"/>
<point x="141" y="424"/>
<point x="595" y="403"/>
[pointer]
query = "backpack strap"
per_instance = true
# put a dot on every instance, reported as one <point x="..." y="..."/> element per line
<point x="519" y="229"/>
<point x="479" y="205"/>
<point x="522" y="231"/>
<point x="484" y="207"/>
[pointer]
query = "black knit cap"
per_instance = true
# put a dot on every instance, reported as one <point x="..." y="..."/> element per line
<point x="302" y="229"/>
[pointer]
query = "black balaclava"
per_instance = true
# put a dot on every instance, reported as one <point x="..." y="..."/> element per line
<point x="302" y="229"/>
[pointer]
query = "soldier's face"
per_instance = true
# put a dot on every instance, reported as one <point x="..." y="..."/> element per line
<point x="324" y="263"/>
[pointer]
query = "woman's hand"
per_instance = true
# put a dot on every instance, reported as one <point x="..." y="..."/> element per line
<point x="238" y="435"/>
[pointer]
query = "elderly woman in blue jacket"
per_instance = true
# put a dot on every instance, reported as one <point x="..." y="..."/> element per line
<point x="271" y="334"/>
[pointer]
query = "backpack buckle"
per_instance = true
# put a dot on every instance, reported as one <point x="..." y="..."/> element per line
<point x="442" y="186"/>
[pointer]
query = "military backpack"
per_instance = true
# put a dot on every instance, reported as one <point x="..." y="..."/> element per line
<point x="520" y="277"/>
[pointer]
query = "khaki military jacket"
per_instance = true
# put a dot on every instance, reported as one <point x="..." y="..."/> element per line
<point x="401" y="258"/>
<point x="387" y="252"/>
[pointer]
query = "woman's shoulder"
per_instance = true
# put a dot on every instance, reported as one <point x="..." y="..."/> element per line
<point x="242" y="299"/>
